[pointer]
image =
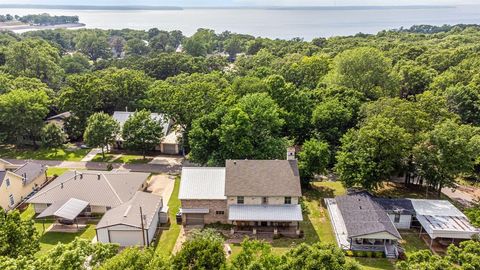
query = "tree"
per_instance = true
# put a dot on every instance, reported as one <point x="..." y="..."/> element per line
<point x="331" y="119"/>
<point x="75" y="63"/>
<point x="202" y="250"/>
<point x="93" y="43"/>
<point x="313" y="159"/>
<point x="117" y="44"/>
<point x="79" y="254"/>
<point x="370" y="154"/>
<point x="446" y="152"/>
<point x="194" y="47"/>
<point x="101" y="131"/>
<point x="364" y="69"/>
<point x="414" y="78"/>
<point x="141" y="132"/>
<point x="465" y="101"/>
<point x="135" y="258"/>
<point x="255" y="254"/>
<point x="317" y="256"/>
<point x="136" y="46"/>
<point x="233" y="46"/>
<point x="18" y="236"/>
<point x="34" y="58"/>
<point x="250" y="129"/>
<point x="424" y="260"/>
<point x="53" y="136"/>
<point x="473" y="214"/>
<point x="22" y="113"/>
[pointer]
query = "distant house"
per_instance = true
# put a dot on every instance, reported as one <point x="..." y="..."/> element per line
<point x="59" y="119"/>
<point x="117" y="195"/>
<point x="251" y="194"/>
<point x="19" y="181"/>
<point x="169" y="143"/>
<point x="364" y="222"/>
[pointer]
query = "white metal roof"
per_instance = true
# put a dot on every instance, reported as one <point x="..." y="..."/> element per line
<point x="194" y="210"/>
<point x="122" y="117"/>
<point x="435" y="208"/>
<point x="67" y="210"/>
<point x="265" y="213"/>
<point x="202" y="183"/>
<point x="457" y="227"/>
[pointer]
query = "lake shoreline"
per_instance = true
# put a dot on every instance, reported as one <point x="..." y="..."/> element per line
<point x="26" y="27"/>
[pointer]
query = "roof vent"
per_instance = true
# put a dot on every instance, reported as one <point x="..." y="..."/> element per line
<point x="61" y="185"/>
<point x="98" y="176"/>
<point x="81" y="176"/>
<point x="127" y="210"/>
<point x="234" y="163"/>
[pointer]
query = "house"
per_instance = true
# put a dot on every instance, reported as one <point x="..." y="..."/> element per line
<point x="59" y="119"/>
<point x="400" y="211"/>
<point x="361" y="223"/>
<point x="169" y="143"/>
<point x="103" y="190"/>
<point x="117" y="195"/>
<point x="258" y="194"/>
<point x="442" y="221"/>
<point x="124" y="224"/>
<point x="19" y="181"/>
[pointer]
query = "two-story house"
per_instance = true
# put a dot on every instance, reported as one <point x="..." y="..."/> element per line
<point x="246" y="193"/>
<point x="18" y="181"/>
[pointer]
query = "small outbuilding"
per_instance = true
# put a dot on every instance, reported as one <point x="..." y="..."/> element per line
<point x="133" y="223"/>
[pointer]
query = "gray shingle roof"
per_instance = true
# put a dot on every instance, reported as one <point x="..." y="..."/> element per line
<point x="262" y="178"/>
<point x="265" y="213"/>
<point x="399" y="206"/>
<point x="100" y="188"/>
<point x="31" y="170"/>
<point x="202" y="183"/>
<point x="122" y="117"/>
<point x="128" y="213"/>
<point x="362" y="215"/>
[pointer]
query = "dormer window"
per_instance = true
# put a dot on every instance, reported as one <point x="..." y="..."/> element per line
<point x="12" y="200"/>
<point x="240" y="200"/>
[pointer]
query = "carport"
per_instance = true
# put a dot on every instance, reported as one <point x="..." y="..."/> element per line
<point x="63" y="210"/>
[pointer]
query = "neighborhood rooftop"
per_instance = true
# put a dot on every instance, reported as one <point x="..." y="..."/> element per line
<point x="262" y="178"/>
<point x="202" y="183"/>
<point x="129" y="212"/>
<point x="31" y="171"/>
<point x="95" y="187"/>
<point x="397" y="206"/>
<point x="275" y="213"/>
<point x="122" y="117"/>
<point x="363" y="216"/>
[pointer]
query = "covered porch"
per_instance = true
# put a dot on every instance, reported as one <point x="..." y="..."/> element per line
<point x="66" y="214"/>
<point x="276" y="219"/>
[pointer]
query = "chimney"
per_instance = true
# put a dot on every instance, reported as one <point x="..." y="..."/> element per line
<point x="75" y="176"/>
<point x="291" y="153"/>
<point x="98" y="176"/>
<point x="81" y="176"/>
<point x="61" y="185"/>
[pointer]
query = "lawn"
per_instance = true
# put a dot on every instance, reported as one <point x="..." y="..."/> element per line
<point x="168" y="238"/>
<point x="65" y="153"/>
<point x="411" y="242"/>
<point x="49" y="239"/>
<point x="56" y="171"/>
<point x="126" y="159"/>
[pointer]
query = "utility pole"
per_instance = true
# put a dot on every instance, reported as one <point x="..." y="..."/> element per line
<point x="143" y="228"/>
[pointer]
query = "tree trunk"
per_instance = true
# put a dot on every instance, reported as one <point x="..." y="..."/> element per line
<point x="440" y="186"/>
<point x="103" y="153"/>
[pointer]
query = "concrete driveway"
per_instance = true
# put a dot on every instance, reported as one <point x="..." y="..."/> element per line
<point x="163" y="185"/>
<point x="167" y="160"/>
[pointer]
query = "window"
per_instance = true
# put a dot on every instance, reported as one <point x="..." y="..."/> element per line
<point x="219" y="212"/>
<point x="264" y="200"/>
<point x="397" y="218"/>
<point x="240" y="200"/>
<point x="7" y="182"/>
<point x="12" y="200"/>
<point x="288" y="200"/>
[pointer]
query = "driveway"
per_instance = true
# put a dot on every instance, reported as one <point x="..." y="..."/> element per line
<point x="464" y="198"/>
<point x="162" y="184"/>
<point x="167" y="160"/>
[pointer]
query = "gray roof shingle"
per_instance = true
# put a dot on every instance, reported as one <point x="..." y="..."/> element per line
<point x="262" y="178"/>
<point x="128" y="213"/>
<point x="362" y="215"/>
<point x="31" y="170"/>
<point x="399" y="206"/>
<point x="100" y="188"/>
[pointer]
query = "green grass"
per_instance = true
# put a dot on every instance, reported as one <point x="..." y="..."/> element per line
<point x="167" y="240"/>
<point x="56" y="171"/>
<point x="49" y="239"/>
<point x="126" y="159"/>
<point x="374" y="264"/>
<point x="411" y="242"/>
<point x="43" y="153"/>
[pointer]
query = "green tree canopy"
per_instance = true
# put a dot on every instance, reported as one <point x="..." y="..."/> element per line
<point x="18" y="237"/>
<point x="313" y="159"/>
<point x="53" y="136"/>
<point x="101" y="131"/>
<point x="141" y="132"/>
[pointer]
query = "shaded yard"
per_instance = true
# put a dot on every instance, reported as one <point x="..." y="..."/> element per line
<point x="168" y="238"/>
<point x="65" y="153"/>
<point x="49" y="239"/>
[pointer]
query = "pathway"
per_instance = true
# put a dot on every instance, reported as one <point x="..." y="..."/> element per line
<point x="92" y="154"/>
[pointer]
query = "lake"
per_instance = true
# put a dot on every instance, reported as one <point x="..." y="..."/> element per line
<point x="272" y="23"/>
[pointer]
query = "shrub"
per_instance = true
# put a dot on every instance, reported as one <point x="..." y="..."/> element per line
<point x="369" y="254"/>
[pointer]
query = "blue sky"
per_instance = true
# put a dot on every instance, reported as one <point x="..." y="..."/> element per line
<point x="244" y="2"/>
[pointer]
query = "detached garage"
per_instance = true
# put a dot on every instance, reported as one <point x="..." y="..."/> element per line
<point x="124" y="224"/>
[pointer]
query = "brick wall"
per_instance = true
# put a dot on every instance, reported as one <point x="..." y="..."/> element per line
<point x="213" y="206"/>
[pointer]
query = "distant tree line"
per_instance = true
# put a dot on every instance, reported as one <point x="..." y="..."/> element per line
<point x="47" y="19"/>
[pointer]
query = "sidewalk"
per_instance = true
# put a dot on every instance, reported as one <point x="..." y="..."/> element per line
<point x="91" y="154"/>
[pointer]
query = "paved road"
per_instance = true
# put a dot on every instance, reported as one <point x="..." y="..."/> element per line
<point x="464" y="198"/>
<point x="167" y="167"/>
